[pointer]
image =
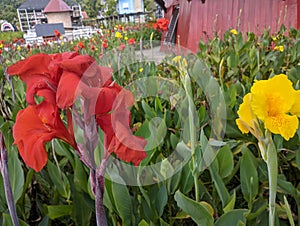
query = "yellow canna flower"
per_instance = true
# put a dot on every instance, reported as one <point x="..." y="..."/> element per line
<point x="141" y="70"/>
<point x="1" y="45"/>
<point x="233" y="31"/>
<point x="279" y="48"/>
<point x="125" y="38"/>
<point x="271" y="101"/>
<point x="176" y="59"/>
<point x="184" y="62"/>
<point x="118" y="35"/>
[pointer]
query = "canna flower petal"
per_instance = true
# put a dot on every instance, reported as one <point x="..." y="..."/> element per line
<point x="246" y="119"/>
<point x="36" y="125"/>
<point x="272" y="97"/>
<point x="295" y="110"/>
<point x="285" y="125"/>
<point x="113" y="117"/>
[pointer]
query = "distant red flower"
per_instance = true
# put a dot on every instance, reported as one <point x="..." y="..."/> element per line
<point x="131" y="41"/>
<point x="161" y="24"/>
<point x="0" y="51"/>
<point x="122" y="46"/>
<point x="80" y="45"/>
<point x="75" y="48"/>
<point x="105" y="45"/>
<point x="57" y="33"/>
<point x="93" y="47"/>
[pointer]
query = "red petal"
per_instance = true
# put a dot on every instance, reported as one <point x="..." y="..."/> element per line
<point x="35" y="64"/>
<point x="66" y="90"/>
<point x="36" y="125"/>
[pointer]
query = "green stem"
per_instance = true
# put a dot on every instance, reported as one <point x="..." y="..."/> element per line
<point x="272" y="165"/>
<point x="188" y="90"/>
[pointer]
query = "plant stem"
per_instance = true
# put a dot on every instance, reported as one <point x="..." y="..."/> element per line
<point x="99" y="181"/>
<point x="188" y="90"/>
<point x="6" y="181"/>
<point x="272" y="165"/>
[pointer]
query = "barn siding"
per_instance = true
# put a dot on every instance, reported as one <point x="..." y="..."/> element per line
<point x="198" y="20"/>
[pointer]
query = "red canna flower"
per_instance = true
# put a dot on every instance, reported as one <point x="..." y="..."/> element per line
<point x="161" y="24"/>
<point x="131" y="41"/>
<point x="80" y="45"/>
<point x="0" y="51"/>
<point x="105" y="45"/>
<point x="59" y="79"/>
<point x="122" y="46"/>
<point x="57" y="33"/>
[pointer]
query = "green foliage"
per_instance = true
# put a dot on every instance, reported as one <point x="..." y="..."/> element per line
<point x="9" y="10"/>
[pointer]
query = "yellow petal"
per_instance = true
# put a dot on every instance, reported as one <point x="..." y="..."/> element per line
<point x="243" y="127"/>
<point x="285" y="125"/>
<point x="295" y="110"/>
<point x="272" y="97"/>
<point x="245" y="115"/>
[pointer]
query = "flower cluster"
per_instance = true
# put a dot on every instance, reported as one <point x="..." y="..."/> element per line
<point x="161" y="24"/>
<point x="59" y="79"/>
<point x="275" y="103"/>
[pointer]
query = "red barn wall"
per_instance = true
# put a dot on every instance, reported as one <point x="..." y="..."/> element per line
<point x="197" y="20"/>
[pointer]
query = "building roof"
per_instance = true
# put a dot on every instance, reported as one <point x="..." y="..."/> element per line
<point x="47" y="30"/>
<point x="41" y="4"/>
<point x="34" y="4"/>
<point x="84" y="15"/>
<point x="57" y="6"/>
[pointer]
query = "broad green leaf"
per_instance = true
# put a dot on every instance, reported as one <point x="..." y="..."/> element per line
<point x="150" y="113"/>
<point x="59" y="179"/>
<point x="298" y="158"/>
<point x="59" y="211"/>
<point x="82" y="212"/>
<point x="225" y="160"/>
<point x="3" y="206"/>
<point x="8" y="222"/>
<point x="230" y="204"/>
<point x="162" y="222"/>
<point x="143" y="223"/>
<point x="161" y="199"/>
<point x="232" y="218"/>
<point x="44" y="222"/>
<point x="80" y="176"/>
<point x="123" y="202"/>
<point x="249" y="177"/>
<point x="196" y="210"/>
<point x="16" y="174"/>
